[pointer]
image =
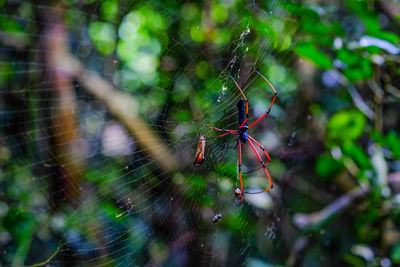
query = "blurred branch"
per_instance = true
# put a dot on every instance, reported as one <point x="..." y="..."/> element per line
<point x="393" y="90"/>
<point x="378" y="99"/>
<point x="48" y="260"/>
<point x="394" y="182"/>
<point x="306" y="188"/>
<point x="307" y="150"/>
<point x="123" y="106"/>
<point x="357" y="99"/>
<point x="390" y="232"/>
<point x="297" y="249"/>
<point x="18" y="41"/>
<point x="61" y="123"/>
<point x="378" y="91"/>
<point x="316" y="220"/>
<point x="359" y="102"/>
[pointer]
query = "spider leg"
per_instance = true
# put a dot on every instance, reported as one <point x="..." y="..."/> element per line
<point x="220" y="130"/>
<point x="247" y="103"/>
<point x="273" y="100"/>
<point x="222" y="135"/>
<point x="262" y="148"/>
<point x="241" y="193"/>
<point x="218" y="136"/>
<point x="265" y="169"/>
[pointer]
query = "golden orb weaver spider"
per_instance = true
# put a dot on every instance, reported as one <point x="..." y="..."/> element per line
<point x="244" y="137"/>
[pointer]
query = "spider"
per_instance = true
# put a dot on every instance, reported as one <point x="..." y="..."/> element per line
<point x="244" y="137"/>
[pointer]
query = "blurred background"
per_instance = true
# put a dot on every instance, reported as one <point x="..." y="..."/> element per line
<point x="102" y="104"/>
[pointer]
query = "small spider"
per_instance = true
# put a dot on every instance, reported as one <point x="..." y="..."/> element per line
<point x="244" y="137"/>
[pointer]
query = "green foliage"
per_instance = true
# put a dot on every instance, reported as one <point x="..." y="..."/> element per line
<point x="10" y="25"/>
<point x="326" y="167"/>
<point x="103" y="35"/>
<point x="356" y="153"/>
<point x="181" y="115"/>
<point x="227" y="169"/>
<point x="175" y="59"/>
<point x="344" y="127"/>
<point x="310" y="52"/>
<point x="357" y="67"/>
<point x="113" y="212"/>
<point x="109" y="9"/>
<point x="395" y="253"/>
<point x="203" y="69"/>
<point x="391" y="141"/>
<point x="6" y="73"/>
<point x="141" y="40"/>
<point x="218" y="13"/>
<point x="371" y="21"/>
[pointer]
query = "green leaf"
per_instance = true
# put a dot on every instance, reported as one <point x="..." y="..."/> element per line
<point x="298" y="9"/>
<point x="393" y="143"/>
<point x="227" y="169"/>
<point x="357" y="154"/>
<point x="371" y="21"/>
<point x="358" y="68"/>
<point x="378" y="138"/>
<point x="218" y="13"/>
<point x="373" y="50"/>
<point x="312" y="53"/>
<point x="6" y="72"/>
<point x="323" y="40"/>
<point x="203" y="70"/>
<point x="346" y="125"/>
<point x="10" y="25"/>
<point x="113" y="212"/>
<point x="181" y="115"/>
<point x="313" y="26"/>
<point x="337" y="28"/>
<point x="109" y="9"/>
<point x="395" y="253"/>
<point x="388" y="36"/>
<point x="197" y="182"/>
<point x="327" y="167"/>
<point x="353" y="260"/>
<point x="103" y="36"/>
<point x="348" y="57"/>
<point x="357" y="73"/>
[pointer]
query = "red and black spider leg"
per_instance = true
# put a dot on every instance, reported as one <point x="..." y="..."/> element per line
<point x="245" y="99"/>
<point x="270" y="106"/>
<point x="262" y="148"/>
<point x="265" y="169"/>
<point x="237" y="192"/>
<point x="219" y="130"/>
<point x="221" y="135"/>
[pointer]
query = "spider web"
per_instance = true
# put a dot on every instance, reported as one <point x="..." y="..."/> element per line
<point x="125" y="207"/>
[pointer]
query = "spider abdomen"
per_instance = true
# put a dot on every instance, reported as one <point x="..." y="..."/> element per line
<point x="242" y="115"/>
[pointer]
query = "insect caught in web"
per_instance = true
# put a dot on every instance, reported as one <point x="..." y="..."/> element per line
<point x="243" y="137"/>
<point x="201" y="146"/>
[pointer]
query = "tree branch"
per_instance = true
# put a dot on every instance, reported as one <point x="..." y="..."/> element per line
<point x="316" y="220"/>
<point x="123" y="106"/>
